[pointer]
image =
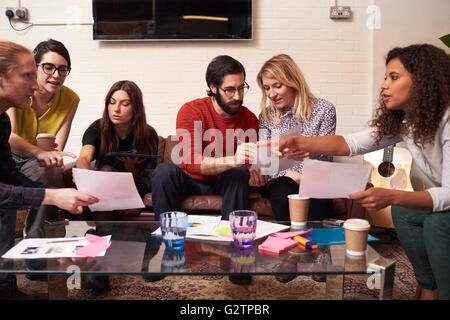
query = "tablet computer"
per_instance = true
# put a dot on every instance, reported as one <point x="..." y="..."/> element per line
<point x="131" y="155"/>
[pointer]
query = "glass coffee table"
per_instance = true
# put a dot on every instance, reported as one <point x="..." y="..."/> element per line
<point x="135" y="251"/>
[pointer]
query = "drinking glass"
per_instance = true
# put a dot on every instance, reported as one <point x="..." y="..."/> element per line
<point x="173" y="228"/>
<point x="243" y="227"/>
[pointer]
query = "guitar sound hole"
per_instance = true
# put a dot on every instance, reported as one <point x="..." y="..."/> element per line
<point x="386" y="169"/>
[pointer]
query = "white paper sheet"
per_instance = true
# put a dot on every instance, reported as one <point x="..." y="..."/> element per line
<point x="215" y="229"/>
<point x="270" y="163"/>
<point x="39" y="248"/>
<point x="330" y="180"/>
<point x="202" y="225"/>
<point x="115" y="190"/>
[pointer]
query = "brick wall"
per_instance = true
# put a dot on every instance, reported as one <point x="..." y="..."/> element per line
<point x="335" y="57"/>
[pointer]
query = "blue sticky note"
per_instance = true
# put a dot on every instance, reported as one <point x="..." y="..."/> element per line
<point x="328" y="236"/>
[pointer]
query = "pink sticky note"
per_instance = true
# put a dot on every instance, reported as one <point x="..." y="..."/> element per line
<point x="273" y="242"/>
<point x="92" y="250"/>
<point x="277" y="244"/>
<point x="286" y="235"/>
<point x="94" y="238"/>
<point x="267" y="252"/>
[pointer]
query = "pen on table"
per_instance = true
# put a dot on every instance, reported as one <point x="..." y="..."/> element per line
<point x="313" y="250"/>
<point x="305" y="242"/>
<point x="62" y="241"/>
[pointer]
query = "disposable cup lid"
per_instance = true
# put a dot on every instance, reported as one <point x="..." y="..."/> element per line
<point x="45" y="135"/>
<point x="357" y="224"/>
<point x="297" y="197"/>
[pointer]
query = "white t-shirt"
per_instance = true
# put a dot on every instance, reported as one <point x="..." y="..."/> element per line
<point x="433" y="160"/>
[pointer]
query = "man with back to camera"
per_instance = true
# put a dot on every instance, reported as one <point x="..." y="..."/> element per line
<point x="17" y="84"/>
<point x="217" y="137"/>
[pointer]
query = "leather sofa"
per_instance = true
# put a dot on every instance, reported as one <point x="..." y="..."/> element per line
<point x="211" y="204"/>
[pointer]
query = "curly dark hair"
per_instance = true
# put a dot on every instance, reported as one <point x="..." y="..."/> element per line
<point x="429" y="96"/>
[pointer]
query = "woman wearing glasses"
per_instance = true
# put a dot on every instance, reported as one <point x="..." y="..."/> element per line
<point x="288" y="103"/>
<point x="53" y="107"/>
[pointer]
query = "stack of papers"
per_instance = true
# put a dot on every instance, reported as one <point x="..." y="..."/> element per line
<point x="215" y="229"/>
<point x="280" y="242"/>
<point x="89" y="246"/>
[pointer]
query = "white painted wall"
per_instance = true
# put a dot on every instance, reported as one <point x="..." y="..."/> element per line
<point x="406" y="22"/>
<point x="335" y="56"/>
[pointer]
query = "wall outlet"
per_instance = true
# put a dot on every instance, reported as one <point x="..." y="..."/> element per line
<point x="338" y="12"/>
<point x="19" y="13"/>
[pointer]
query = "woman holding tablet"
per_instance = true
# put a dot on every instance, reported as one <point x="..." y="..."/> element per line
<point x="122" y="128"/>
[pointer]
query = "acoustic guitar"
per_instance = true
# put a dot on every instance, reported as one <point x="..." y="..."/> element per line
<point x="391" y="170"/>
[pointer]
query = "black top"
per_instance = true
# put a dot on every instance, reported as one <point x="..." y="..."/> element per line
<point x="92" y="137"/>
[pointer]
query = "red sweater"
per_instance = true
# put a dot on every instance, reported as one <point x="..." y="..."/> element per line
<point x="207" y="134"/>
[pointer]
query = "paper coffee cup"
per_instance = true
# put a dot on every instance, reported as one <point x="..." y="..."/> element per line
<point x="298" y="210"/>
<point x="356" y="232"/>
<point x="45" y="141"/>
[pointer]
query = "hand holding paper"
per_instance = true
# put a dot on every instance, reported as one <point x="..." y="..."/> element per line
<point x="270" y="162"/>
<point x="115" y="190"/>
<point x="329" y="180"/>
<point x="68" y="199"/>
<point x="373" y="198"/>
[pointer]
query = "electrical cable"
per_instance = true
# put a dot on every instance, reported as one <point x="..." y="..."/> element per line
<point x="10" y="23"/>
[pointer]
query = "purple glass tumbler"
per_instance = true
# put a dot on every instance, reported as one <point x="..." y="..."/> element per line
<point x="243" y="227"/>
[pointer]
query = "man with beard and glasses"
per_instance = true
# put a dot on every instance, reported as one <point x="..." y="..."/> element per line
<point x="217" y="141"/>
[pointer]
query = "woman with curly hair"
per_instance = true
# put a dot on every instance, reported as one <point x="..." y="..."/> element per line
<point x="414" y="107"/>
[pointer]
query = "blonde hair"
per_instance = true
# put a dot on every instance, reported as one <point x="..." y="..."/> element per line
<point x="9" y="52"/>
<point x="282" y="68"/>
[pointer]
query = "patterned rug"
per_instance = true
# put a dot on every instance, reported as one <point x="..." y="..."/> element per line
<point x="262" y="287"/>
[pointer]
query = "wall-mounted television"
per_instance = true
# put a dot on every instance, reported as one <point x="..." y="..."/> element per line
<point x="172" y="19"/>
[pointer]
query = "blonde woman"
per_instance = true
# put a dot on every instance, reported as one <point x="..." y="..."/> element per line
<point x="287" y="103"/>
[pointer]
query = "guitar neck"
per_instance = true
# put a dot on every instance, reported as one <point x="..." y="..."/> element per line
<point x="388" y="154"/>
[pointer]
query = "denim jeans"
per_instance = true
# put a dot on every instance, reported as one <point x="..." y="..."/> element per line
<point x="169" y="183"/>
<point x="425" y="237"/>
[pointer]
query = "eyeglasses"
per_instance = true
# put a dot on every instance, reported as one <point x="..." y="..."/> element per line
<point x="50" y="68"/>
<point x="230" y="92"/>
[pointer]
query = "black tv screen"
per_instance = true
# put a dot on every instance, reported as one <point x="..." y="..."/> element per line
<point x="172" y="19"/>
